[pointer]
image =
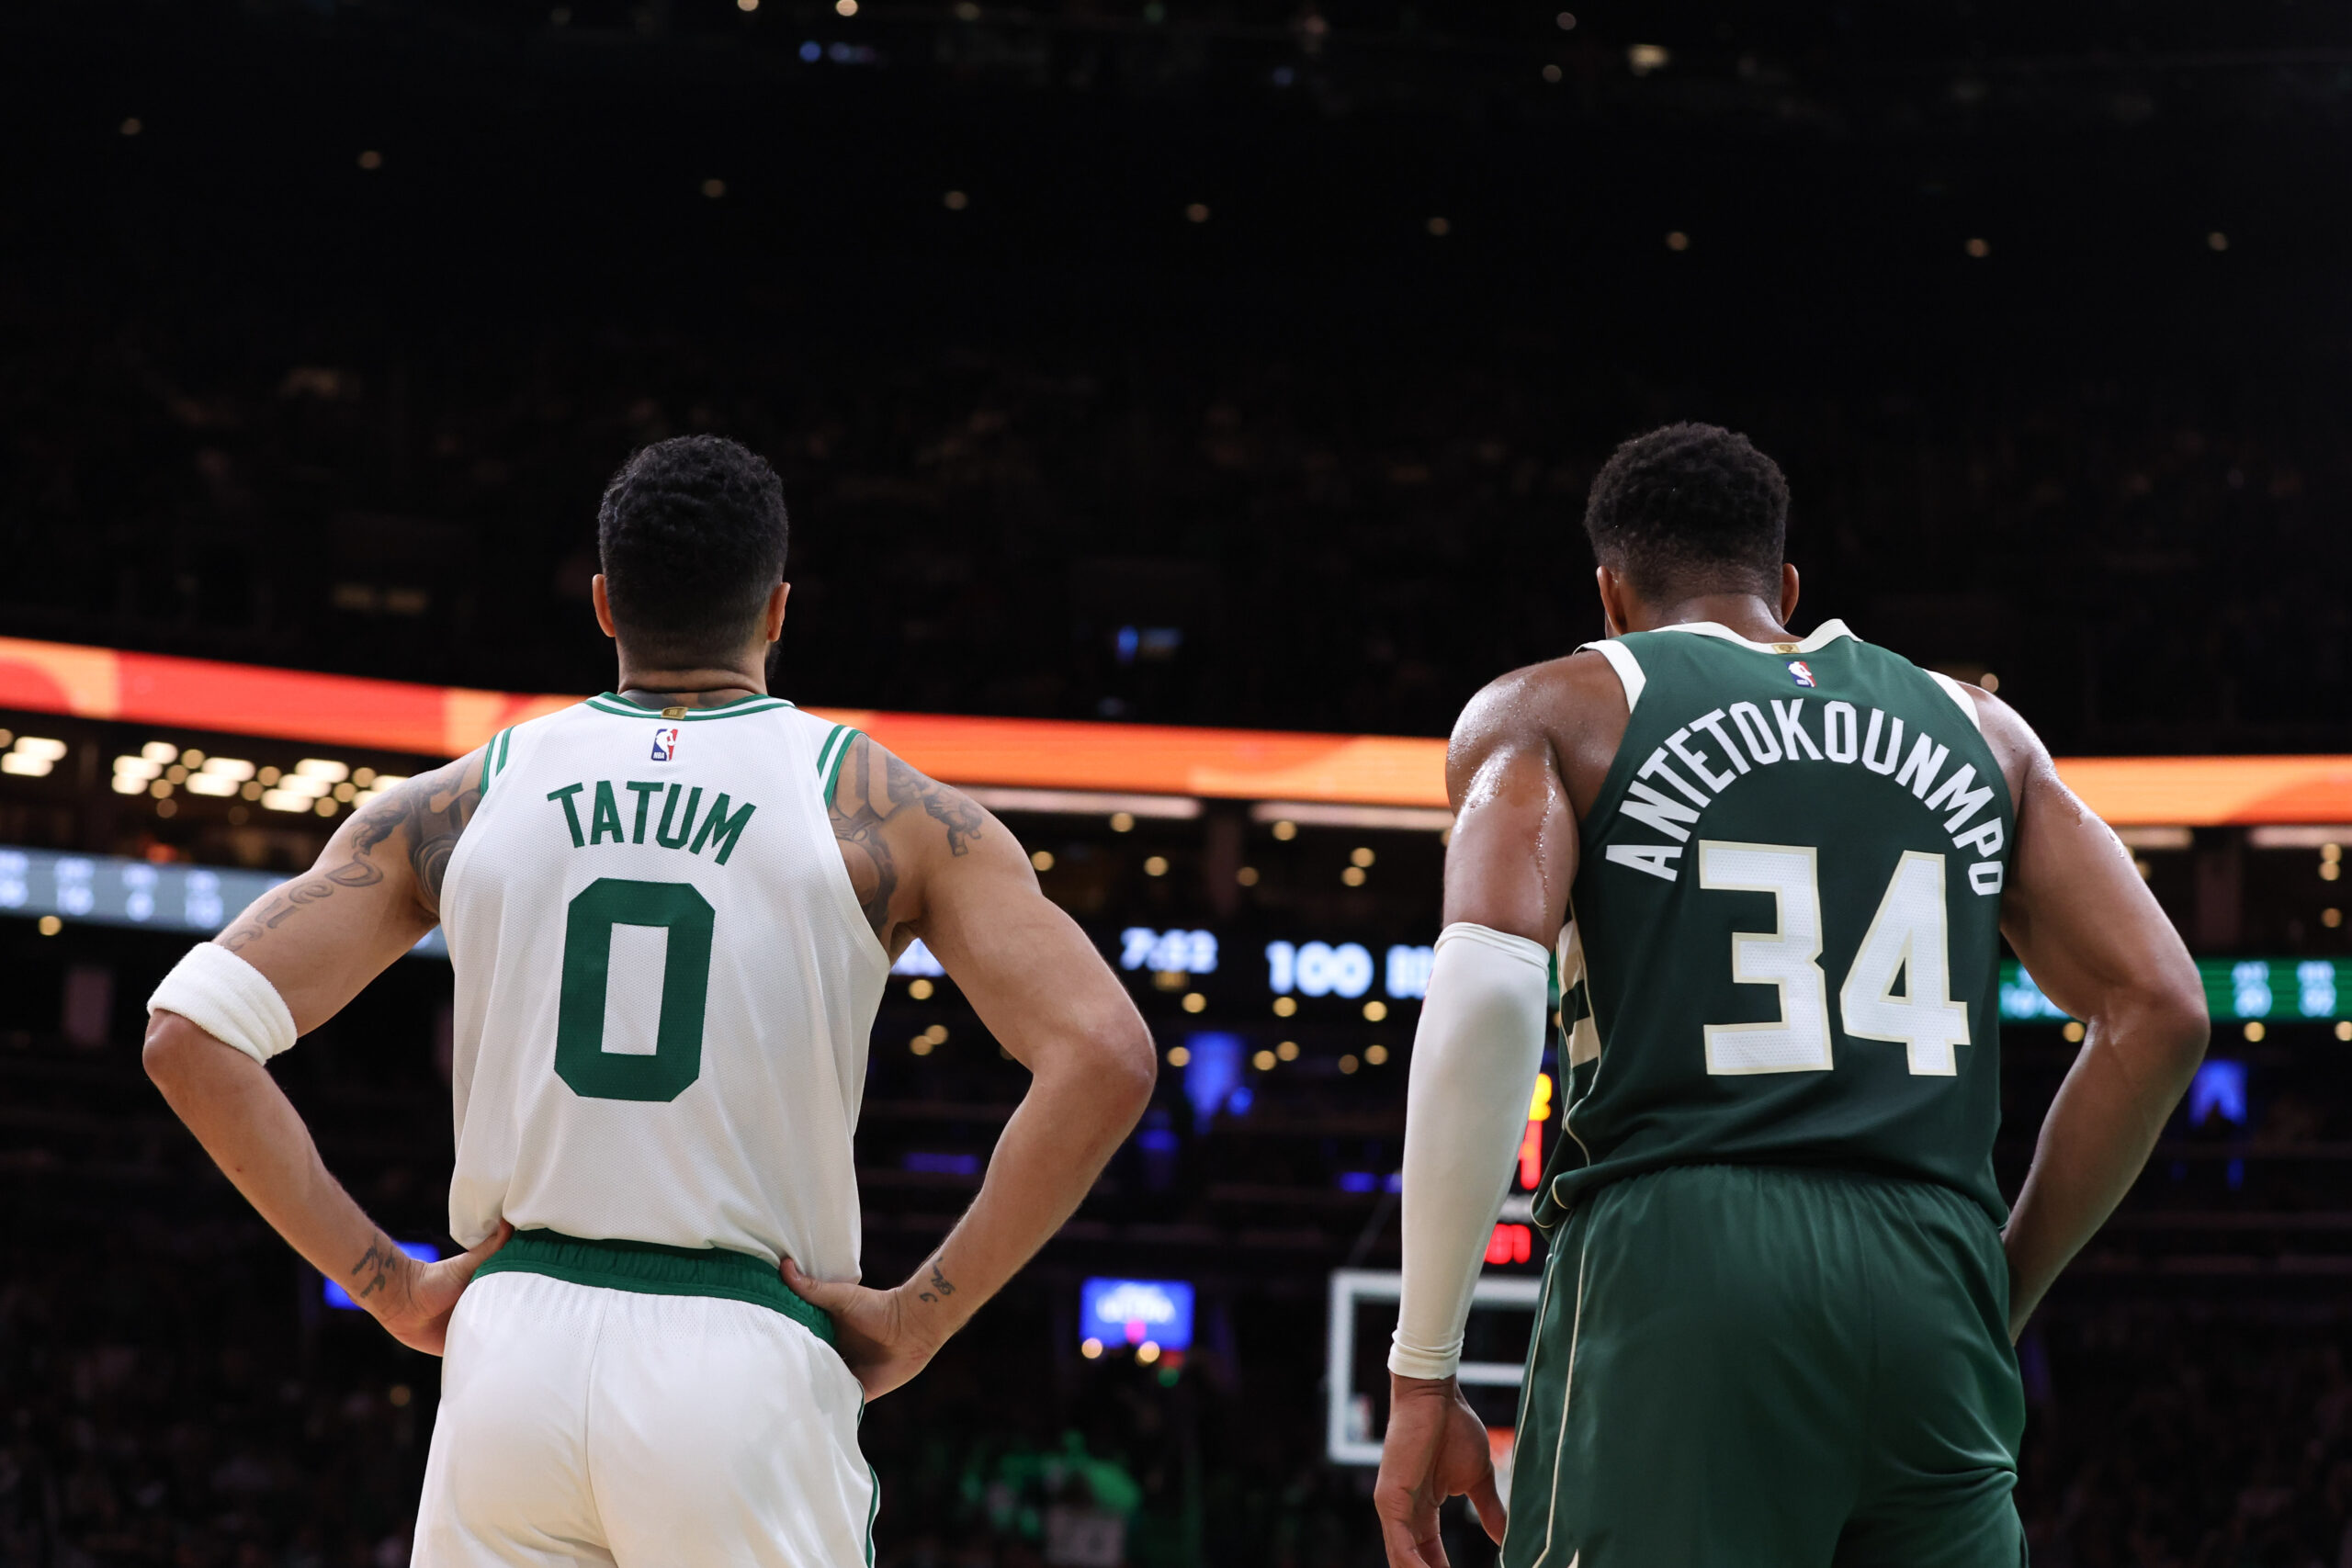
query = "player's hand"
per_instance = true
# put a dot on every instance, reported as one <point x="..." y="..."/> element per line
<point x="1435" y="1449"/>
<point x="875" y="1331"/>
<point x="415" y="1308"/>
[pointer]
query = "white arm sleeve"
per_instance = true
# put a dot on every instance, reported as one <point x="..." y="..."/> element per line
<point x="1466" y="1110"/>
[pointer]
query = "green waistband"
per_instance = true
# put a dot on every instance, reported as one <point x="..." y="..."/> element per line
<point x="653" y="1269"/>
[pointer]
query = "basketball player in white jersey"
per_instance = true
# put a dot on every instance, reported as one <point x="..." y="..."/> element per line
<point x="671" y="911"/>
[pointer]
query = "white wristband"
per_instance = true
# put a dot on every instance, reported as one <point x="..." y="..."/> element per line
<point x="229" y="1000"/>
<point x="1474" y="1058"/>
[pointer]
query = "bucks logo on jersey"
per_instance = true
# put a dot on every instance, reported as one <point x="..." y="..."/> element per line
<point x="1785" y="939"/>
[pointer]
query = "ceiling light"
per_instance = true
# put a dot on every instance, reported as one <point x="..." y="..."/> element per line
<point x="321" y="767"/>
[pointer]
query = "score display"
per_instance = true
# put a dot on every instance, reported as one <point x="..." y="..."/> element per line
<point x="1345" y="969"/>
<point x="1167" y="953"/>
<point x="2249" y="990"/>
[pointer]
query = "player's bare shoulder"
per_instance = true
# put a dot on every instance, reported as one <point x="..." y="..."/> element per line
<point x="1574" y="706"/>
<point x="2014" y="744"/>
<point x="411" y="831"/>
<point x="891" y="820"/>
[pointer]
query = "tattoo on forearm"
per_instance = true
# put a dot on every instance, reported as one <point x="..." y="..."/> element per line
<point x="940" y="1287"/>
<point x="374" y="1270"/>
<point x="432" y="810"/>
<point x="875" y="787"/>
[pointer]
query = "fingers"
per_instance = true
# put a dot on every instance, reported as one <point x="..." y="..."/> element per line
<point x="462" y="1268"/>
<point x="828" y="1294"/>
<point x="483" y="1250"/>
<point x="1407" y="1551"/>
<point x="1489" y="1504"/>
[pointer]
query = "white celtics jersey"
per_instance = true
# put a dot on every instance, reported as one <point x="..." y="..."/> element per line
<point x="665" y="985"/>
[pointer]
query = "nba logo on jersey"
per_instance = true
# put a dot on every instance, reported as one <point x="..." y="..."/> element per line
<point x="1797" y="672"/>
<point x="665" y="742"/>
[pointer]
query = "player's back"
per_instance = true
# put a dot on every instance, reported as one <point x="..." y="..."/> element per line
<point x="1785" y="942"/>
<point x="664" y="985"/>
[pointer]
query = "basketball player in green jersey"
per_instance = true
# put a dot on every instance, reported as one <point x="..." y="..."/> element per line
<point x="1774" y="872"/>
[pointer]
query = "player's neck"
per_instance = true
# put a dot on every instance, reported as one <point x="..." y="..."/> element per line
<point x="700" y="686"/>
<point x="1744" y="614"/>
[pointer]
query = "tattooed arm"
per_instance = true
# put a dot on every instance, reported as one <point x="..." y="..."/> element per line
<point x="927" y="861"/>
<point x="375" y="890"/>
<point x="319" y="938"/>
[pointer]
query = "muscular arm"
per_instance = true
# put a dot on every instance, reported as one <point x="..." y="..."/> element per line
<point x="1508" y="867"/>
<point x="925" y="861"/>
<point x="2094" y="939"/>
<point x="319" y="938"/>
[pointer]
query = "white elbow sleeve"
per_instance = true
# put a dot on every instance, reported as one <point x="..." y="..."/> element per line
<point x="1475" y="1057"/>
<point x="229" y="1000"/>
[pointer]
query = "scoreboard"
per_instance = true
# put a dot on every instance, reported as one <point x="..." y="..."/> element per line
<point x="2237" y="990"/>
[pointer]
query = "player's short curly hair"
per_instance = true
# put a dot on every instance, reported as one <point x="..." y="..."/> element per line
<point x="692" y="535"/>
<point x="1690" y="508"/>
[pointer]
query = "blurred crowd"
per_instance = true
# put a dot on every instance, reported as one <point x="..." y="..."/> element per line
<point x="2170" y="1436"/>
<point x="1346" y="539"/>
<point x="174" y="1391"/>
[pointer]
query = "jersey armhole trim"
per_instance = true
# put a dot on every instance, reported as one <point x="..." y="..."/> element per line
<point x="494" y="757"/>
<point x="829" y="755"/>
<point x="1629" y="668"/>
<point x="1958" y="693"/>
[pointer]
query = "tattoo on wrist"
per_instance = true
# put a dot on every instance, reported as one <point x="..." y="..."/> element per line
<point x="940" y="1285"/>
<point x="374" y="1271"/>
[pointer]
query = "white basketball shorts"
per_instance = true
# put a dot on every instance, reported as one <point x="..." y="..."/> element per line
<point x="582" y="1424"/>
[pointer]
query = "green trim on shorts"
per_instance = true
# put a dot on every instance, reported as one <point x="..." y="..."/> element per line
<point x="653" y="1269"/>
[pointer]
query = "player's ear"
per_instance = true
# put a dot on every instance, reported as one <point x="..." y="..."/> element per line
<point x="1614" y="607"/>
<point x="1788" y="590"/>
<point x="771" y="618"/>
<point x="597" y="596"/>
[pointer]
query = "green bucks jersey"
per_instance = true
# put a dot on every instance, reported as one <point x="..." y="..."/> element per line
<point x="1783" y="942"/>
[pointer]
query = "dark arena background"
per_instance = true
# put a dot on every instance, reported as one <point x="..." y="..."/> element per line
<point x="1196" y="363"/>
